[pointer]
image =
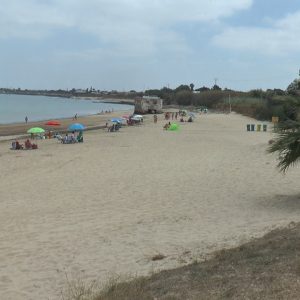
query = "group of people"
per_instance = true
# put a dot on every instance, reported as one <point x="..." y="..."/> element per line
<point x="113" y="127"/>
<point x="106" y="111"/>
<point x="171" y="115"/>
<point x="16" y="145"/>
<point x="190" y="119"/>
<point x="72" y="138"/>
<point x="174" y="115"/>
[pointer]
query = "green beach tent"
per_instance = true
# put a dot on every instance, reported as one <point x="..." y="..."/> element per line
<point x="173" y="127"/>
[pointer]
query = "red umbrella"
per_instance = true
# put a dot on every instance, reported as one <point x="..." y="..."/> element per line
<point x="53" y="123"/>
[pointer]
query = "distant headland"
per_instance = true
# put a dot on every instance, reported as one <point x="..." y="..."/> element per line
<point x="88" y="94"/>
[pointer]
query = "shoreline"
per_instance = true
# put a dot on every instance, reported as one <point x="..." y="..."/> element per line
<point x="13" y="130"/>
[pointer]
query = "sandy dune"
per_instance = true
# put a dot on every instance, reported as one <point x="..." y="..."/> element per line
<point x="110" y="204"/>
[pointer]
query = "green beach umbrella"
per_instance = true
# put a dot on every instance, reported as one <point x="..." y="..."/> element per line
<point x="35" y="130"/>
<point x="174" y="127"/>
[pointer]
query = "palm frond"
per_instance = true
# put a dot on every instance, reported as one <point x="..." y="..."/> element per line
<point x="287" y="144"/>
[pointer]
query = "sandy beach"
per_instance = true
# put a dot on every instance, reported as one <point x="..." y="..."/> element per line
<point x="7" y="131"/>
<point x="110" y="204"/>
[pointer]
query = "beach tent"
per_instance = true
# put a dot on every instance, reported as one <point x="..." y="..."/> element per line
<point x="173" y="127"/>
<point x="76" y="127"/>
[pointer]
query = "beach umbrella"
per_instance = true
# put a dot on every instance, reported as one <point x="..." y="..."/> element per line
<point x="35" y="130"/>
<point x="138" y="116"/>
<point x="117" y="120"/>
<point x="191" y="114"/>
<point x="76" y="127"/>
<point x="53" y="123"/>
<point x="173" y="127"/>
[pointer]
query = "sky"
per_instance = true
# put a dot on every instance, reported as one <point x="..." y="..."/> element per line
<point x="145" y="44"/>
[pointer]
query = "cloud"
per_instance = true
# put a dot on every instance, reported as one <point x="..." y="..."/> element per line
<point x="280" y="38"/>
<point x="31" y="19"/>
<point x="118" y="22"/>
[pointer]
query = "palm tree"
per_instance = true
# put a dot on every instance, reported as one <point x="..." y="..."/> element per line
<point x="287" y="144"/>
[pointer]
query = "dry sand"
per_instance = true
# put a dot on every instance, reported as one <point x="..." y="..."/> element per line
<point x="110" y="204"/>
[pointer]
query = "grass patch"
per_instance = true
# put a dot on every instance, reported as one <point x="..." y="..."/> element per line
<point x="265" y="268"/>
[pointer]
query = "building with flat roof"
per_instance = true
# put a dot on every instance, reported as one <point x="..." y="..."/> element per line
<point x="148" y="104"/>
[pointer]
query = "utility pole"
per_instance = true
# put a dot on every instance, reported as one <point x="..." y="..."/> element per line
<point x="229" y="104"/>
<point x="216" y="80"/>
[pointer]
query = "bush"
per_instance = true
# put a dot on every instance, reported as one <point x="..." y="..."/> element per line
<point x="184" y="98"/>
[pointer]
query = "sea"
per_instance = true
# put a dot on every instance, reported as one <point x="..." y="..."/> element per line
<point x="14" y="108"/>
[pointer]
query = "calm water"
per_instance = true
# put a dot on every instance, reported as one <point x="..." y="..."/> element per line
<point x="14" y="108"/>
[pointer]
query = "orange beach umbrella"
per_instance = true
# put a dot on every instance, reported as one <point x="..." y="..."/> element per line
<point x="53" y="123"/>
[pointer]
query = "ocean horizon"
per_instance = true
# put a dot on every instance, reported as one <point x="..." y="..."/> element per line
<point x="14" y="108"/>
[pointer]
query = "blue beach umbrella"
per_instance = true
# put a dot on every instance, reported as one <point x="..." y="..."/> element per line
<point x="116" y="120"/>
<point x="76" y="127"/>
<point x="191" y="114"/>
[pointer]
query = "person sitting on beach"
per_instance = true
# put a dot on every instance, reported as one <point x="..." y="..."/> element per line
<point x="28" y="144"/>
<point x="190" y="119"/>
<point x="18" y="146"/>
<point x="80" y="137"/>
<point x="34" y="146"/>
<point x="181" y="119"/>
<point x="65" y="139"/>
<point x="14" y="145"/>
<point x="72" y="137"/>
<point x="167" y="125"/>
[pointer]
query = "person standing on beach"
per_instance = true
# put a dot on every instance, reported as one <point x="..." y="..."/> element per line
<point x="155" y="118"/>
<point x="26" y="119"/>
<point x="75" y="117"/>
